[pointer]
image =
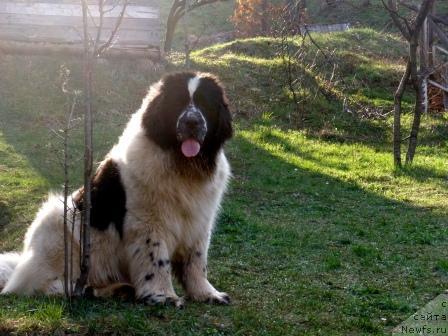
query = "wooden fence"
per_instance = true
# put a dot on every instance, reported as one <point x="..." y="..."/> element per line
<point x="435" y="50"/>
<point x="50" y="26"/>
<point x="326" y="28"/>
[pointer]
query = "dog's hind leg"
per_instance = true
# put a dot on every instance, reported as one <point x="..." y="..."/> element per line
<point x="8" y="263"/>
<point x="30" y="276"/>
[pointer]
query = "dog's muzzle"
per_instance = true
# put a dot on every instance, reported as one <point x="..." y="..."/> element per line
<point x="191" y="130"/>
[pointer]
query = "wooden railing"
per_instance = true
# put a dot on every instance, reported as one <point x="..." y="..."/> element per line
<point x="47" y="27"/>
<point x="435" y="50"/>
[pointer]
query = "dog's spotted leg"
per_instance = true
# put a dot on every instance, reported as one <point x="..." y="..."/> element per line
<point x="150" y="270"/>
<point x="194" y="277"/>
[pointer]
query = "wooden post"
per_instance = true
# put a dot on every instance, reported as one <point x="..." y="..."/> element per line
<point x="424" y="62"/>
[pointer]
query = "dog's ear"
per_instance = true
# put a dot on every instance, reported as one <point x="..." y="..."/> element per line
<point x="158" y="124"/>
<point x="225" y="129"/>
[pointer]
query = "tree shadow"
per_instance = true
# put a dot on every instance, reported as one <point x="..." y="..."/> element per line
<point x="420" y="173"/>
<point x="5" y="215"/>
<point x="415" y="171"/>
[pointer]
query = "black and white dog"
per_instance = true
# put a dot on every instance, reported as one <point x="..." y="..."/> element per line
<point x="154" y="202"/>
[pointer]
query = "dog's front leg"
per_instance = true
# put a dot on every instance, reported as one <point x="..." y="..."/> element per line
<point x="192" y="272"/>
<point x="150" y="268"/>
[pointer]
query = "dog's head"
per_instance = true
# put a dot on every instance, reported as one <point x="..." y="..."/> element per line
<point x="189" y="115"/>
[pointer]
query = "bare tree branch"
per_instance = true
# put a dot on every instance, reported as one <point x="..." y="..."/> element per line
<point x="396" y="17"/>
<point x="100" y="25"/>
<point x="177" y="11"/>
<point x="102" y="49"/>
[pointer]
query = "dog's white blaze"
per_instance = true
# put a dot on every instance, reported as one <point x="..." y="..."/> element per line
<point x="193" y="85"/>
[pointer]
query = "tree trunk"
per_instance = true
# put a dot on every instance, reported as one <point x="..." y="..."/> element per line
<point x="171" y="23"/>
<point x="264" y="17"/>
<point x="415" y="124"/>
<point x="169" y="37"/>
<point x="397" y="115"/>
<point x="366" y="3"/>
<point x="187" y="41"/>
<point x="417" y="85"/>
<point x="412" y="34"/>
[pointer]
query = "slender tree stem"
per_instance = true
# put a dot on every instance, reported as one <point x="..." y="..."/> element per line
<point x="397" y="115"/>
<point x="88" y="157"/>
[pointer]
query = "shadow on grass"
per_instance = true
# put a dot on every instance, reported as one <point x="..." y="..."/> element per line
<point x="421" y="173"/>
<point x="5" y="215"/>
<point x="415" y="171"/>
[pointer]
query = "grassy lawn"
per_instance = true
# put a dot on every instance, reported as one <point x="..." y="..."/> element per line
<point x="318" y="235"/>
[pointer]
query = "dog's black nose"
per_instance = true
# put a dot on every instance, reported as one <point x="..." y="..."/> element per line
<point x="193" y="121"/>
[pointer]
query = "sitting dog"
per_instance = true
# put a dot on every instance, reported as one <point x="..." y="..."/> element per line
<point x="154" y="203"/>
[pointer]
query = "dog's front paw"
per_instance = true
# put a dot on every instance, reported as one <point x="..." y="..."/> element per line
<point x="218" y="298"/>
<point x="162" y="299"/>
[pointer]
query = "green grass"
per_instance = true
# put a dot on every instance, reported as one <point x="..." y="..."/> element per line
<point x="318" y="235"/>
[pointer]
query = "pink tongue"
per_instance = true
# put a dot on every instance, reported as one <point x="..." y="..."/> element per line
<point x="190" y="148"/>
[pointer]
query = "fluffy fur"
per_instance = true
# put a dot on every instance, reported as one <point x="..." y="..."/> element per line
<point x="153" y="209"/>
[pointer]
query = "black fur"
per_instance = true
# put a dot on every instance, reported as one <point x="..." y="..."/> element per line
<point x="108" y="198"/>
<point x="160" y="119"/>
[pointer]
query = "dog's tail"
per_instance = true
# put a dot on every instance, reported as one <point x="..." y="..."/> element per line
<point x="8" y="262"/>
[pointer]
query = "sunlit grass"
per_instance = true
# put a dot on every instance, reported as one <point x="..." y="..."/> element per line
<point x="367" y="167"/>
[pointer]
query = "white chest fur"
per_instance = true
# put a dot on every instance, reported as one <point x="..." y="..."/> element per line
<point x="182" y="210"/>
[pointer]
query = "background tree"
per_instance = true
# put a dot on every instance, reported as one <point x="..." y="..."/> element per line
<point x="307" y="69"/>
<point x="177" y="11"/>
<point x="246" y="17"/>
<point x="264" y="16"/>
<point x="415" y="71"/>
<point x="257" y="17"/>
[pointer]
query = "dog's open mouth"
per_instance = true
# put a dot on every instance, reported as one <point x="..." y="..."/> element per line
<point x="190" y="148"/>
